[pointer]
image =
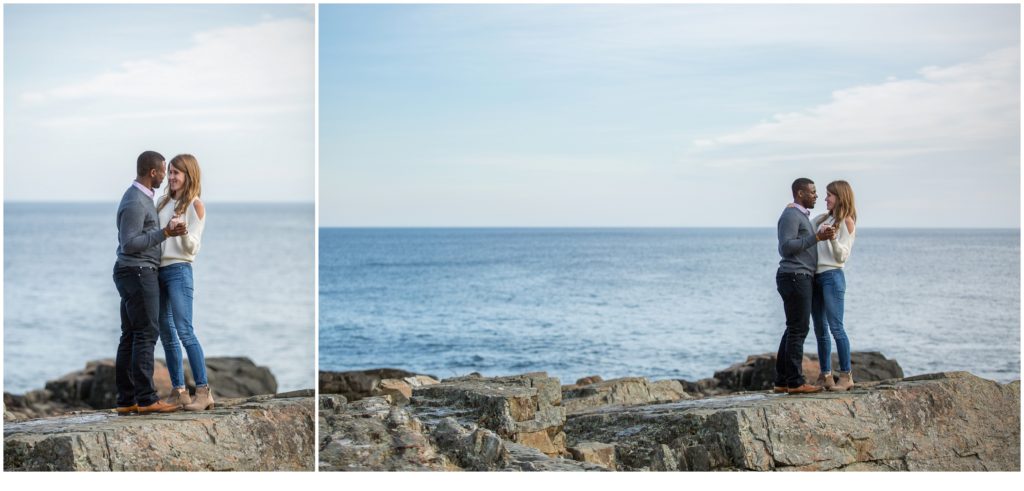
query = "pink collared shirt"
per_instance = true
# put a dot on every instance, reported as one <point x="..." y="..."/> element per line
<point x="803" y="210"/>
<point x="149" y="192"/>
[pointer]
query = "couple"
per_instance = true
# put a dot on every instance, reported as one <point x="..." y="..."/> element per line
<point x="811" y="282"/>
<point x="153" y="274"/>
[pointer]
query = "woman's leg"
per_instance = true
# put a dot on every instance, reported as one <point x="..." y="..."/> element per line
<point x="181" y="306"/>
<point x="834" y="293"/>
<point x="821" y="328"/>
<point x="168" y="334"/>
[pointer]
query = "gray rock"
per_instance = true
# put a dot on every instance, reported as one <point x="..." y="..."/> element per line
<point x="475" y="449"/>
<point x="940" y="422"/>
<point x="257" y="434"/>
<point x="620" y="391"/>
<point x="95" y="386"/>
<point x="524" y="409"/>
<point x="357" y="384"/>
<point x="372" y="435"/>
<point x="757" y="372"/>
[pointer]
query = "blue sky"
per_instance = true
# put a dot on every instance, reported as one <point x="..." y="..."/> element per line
<point x="89" y="87"/>
<point x="666" y="115"/>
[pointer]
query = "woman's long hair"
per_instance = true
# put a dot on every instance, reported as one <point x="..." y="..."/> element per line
<point x="845" y="206"/>
<point x="192" y="188"/>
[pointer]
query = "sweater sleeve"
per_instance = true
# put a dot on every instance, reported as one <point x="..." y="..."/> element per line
<point x="131" y="235"/>
<point x="190" y="241"/>
<point x="790" y="243"/>
<point x="841" y="244"/>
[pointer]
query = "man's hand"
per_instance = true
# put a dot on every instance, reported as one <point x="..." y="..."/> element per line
<point x="828" y="233"/>
<point x="180" y="229"/>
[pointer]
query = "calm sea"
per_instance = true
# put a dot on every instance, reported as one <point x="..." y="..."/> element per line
<point x="661" y="303"/>
<point x="253" y="289"/>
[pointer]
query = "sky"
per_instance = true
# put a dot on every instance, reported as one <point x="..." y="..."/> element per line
<point x="666" y="115"/>
<point x="87" y="88"/>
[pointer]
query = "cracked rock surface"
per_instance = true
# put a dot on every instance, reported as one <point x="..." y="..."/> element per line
<point x="939" y="422"/>
<point x="260" y="433"/>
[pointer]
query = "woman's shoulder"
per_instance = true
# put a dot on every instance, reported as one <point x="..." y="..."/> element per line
<point x="851" y="225"/>
<point x="199" y="207"/>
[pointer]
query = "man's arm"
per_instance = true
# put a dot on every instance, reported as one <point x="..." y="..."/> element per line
<point x="790" y="244"/>
<point x="130" y="233"/>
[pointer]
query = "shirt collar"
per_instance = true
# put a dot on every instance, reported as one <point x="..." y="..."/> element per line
<point x="144" y="189"/>
<point x="803" y="210"/>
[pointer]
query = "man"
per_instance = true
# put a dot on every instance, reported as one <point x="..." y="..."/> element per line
<point x="135" y="274"/>
<point x="795" y="281"/>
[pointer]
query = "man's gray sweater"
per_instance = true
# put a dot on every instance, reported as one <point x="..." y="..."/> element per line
<point x="138" y="230"/>
<point x="797" y="243"/>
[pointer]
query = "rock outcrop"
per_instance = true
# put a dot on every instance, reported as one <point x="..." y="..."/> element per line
<point x="260" y="433"/>
<point x="940" y="422"/>
<point x="523" y="409"/>
<point x="94" y="387"/>
<point x="357" y="384"/>
<point x="620" y="391"/>
<point x="469" y="423"/>
<point x="757" y="372"/>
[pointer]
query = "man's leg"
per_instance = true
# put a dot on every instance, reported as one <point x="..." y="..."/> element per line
<point x="781" y="372"/>
<point x="122" y="363"/>
<point x="142" y="305"/>
<point x="798" y="317"/>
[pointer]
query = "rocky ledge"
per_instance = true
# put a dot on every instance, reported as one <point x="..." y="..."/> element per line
<point x="944" y="422"/>
<point x="94" y="387"/>
<point x="260" y="433"/>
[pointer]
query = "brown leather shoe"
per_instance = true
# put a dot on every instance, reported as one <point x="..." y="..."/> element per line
<point x="779" y="389"/>
<point x="804" y="389"/>
<point x="158" y="407"/>
<point x="126" y="410"/>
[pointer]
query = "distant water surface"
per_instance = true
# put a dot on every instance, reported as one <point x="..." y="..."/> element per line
<point x="253" y="289"/>
<point x="661" y="303"/>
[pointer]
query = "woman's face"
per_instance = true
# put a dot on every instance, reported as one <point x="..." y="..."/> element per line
<point x="830" y="200"/>
<point x="176" y="179"/>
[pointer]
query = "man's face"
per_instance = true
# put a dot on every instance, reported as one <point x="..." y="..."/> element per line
<point x="808" y="196"/>
<point x="157" y="175"/>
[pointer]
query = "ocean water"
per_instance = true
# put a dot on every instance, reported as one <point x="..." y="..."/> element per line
<point x="661" y="303"/>
<point x="254" y="289"/>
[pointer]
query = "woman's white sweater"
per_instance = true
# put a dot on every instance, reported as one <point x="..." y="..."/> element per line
<point x="182" y="248"/>
<point x="833" y="253"/>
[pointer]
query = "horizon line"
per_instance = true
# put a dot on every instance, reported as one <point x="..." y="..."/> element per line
<point x="439" y="227"/>
<point x="103" y="202"/>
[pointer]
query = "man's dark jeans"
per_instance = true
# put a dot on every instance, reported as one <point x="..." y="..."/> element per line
<point x="140" y="305"/>
<point x="797" y="290"/>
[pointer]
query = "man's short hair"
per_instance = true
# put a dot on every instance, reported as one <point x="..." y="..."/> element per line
<point x="148" y="161"/>
<point x="801" y="183"/>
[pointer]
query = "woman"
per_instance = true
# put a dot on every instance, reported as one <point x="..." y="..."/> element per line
<point x="181" y="203"/>
<point x="830" y="284"/>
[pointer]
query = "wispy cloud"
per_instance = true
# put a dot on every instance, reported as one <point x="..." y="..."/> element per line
<point x="253" y="66"/>
<point x="944" y="109"/>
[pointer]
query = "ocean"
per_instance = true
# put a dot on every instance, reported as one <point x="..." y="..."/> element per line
<point x="254" y="289"/>
<point x="660" y="303"/>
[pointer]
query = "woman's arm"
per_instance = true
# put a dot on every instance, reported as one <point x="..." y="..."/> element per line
<point x="842" y="242"/>
<point x="196" y="214"/>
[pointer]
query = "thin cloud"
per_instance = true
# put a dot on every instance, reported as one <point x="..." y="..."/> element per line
<point x="252" y="64"/>
<point x="959" y="107"/>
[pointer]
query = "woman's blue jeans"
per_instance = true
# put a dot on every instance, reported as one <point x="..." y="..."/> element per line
<point x="176" y="324"/>
<point x="827" y="312"/>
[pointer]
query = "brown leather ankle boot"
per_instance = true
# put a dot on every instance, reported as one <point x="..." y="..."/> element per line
<point x="202" y="401"/>
<point x="825" y="381"/>
<point x="845" y="381"/>
<point x="178" y="397"/>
